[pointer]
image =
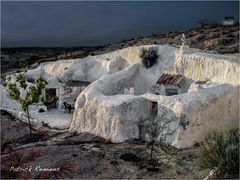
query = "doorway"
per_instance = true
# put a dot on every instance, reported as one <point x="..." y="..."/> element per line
<point x="50" y="94"/>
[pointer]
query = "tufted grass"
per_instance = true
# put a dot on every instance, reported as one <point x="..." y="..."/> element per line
<point x="220" y="150"/>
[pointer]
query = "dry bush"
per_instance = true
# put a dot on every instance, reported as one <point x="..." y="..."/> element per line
<point x="220" y="150"/>
<point x="149" y="57"/>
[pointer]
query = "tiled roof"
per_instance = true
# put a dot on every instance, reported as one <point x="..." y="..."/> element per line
<point x="172" y="79"/>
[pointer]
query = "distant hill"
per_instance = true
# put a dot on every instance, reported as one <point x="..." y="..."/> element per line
<point x="217" y="38"/>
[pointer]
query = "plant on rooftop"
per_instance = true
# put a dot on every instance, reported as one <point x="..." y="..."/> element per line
<point x="220" y="151"/>
<point x="149" y="57"/>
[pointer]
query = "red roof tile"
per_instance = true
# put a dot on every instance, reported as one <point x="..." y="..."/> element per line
<point x="171" y="79"/>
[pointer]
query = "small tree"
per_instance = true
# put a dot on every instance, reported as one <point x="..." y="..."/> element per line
<point x="30" y="94"/>
<point x="153" y="132"/>
<point x="159" y="133"/>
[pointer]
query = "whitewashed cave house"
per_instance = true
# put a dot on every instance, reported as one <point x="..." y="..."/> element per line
<point x="169" y="85"/>
<point x="66" y="92"/>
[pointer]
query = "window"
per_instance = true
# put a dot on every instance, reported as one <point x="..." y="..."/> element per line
<point x="171" y="92"/>
<point x="154" y="107"/>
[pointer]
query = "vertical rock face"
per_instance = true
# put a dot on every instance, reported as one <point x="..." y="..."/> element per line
<point x="117" y="121"/>
<point x="202" y="66"/>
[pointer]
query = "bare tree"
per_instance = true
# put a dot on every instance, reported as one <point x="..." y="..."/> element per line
<point x="159" y="134"/>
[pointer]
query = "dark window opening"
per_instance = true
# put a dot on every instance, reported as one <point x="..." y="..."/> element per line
<point x="154" y="107"/>
<point x="171" y="92"/>
<point x="50" y="94"/>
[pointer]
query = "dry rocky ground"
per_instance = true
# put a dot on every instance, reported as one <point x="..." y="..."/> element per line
<point x="86" y="156"/>
<point x="213" y="37"/>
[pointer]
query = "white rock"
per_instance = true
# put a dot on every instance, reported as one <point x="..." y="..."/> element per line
<point x="103" y="108"/>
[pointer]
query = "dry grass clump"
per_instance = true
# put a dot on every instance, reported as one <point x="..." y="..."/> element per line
<point x="220" y="150"/>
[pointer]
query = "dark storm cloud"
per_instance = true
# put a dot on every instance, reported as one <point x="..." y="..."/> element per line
<point x="75" y="23"/>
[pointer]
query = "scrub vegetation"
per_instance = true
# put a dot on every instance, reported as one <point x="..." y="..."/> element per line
<point x="220" y="151"/>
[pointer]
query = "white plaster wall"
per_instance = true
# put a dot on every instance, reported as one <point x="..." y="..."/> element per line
<point x="101" y="111"/>
<point x="218" y="109"/>
<point x="161" y="89"/>
<point x="205" y="110"/>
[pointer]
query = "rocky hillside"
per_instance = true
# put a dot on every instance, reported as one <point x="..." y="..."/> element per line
<point x="217" y="38"/>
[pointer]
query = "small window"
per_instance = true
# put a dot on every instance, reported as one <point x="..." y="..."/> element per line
<point x="171" y="92"/>
<point x="154" y="107"/>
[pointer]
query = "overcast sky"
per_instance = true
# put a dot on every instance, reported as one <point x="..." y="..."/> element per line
<point x="79" y="23"/>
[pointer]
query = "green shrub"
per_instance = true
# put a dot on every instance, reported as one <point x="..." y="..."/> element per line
<point x="34" y="93"/>
<point x="220" y="150"/>
<point x="4" y="83"/>
<point x="41" y="84"/>
<point x="52" y="103"/>
<point x="149" y="57"/>
<point x="14" y="92"/>
<point x="22" y="81"/>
